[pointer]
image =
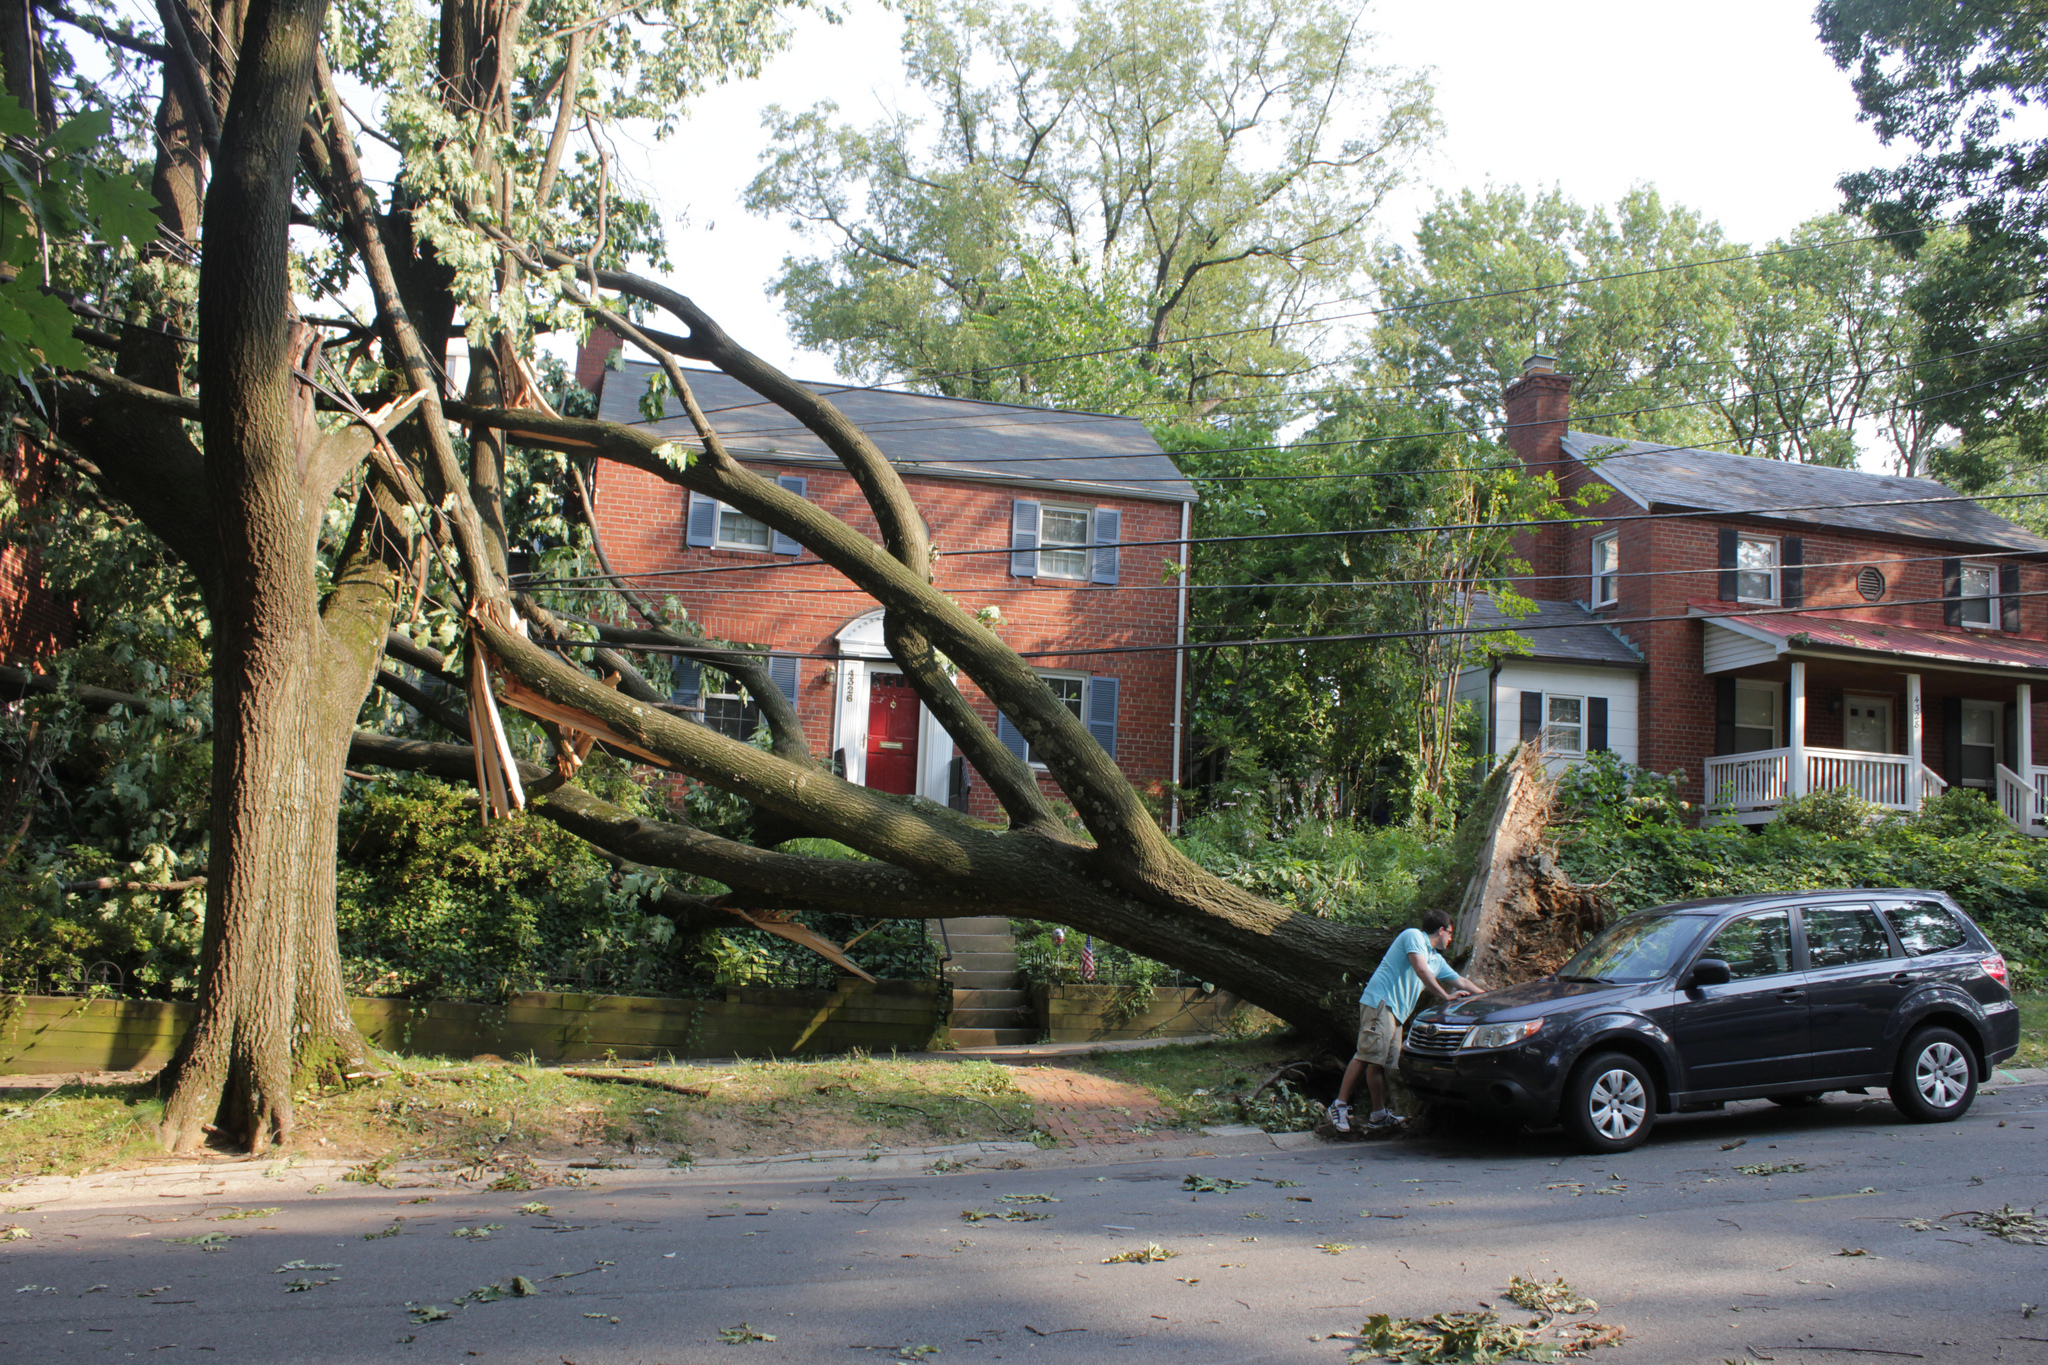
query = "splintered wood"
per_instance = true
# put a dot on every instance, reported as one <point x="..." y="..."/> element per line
<point x="1522" y="914"/>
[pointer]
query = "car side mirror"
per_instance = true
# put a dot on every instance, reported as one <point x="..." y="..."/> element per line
<point x="1708" y="971"/>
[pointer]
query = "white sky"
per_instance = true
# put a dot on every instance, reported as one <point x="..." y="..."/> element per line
<point x="1733" y="110"/>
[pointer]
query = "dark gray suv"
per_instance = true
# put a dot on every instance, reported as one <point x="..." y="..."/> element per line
<point x="1687" y="1006"/>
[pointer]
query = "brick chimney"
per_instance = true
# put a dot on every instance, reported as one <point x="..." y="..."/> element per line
<point x="597" y="350"/>
<point x="1539" y="405"/>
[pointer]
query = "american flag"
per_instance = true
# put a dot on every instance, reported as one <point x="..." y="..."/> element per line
<point x="1088" y="958"/>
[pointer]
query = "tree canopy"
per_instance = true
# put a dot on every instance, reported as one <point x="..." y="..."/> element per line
<point x="1162" y="190"/>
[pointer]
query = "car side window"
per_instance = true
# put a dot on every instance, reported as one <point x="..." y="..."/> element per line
<point x="1755" y="945"/>
<point x="1837" y="935"/>
<point x="1924" y="927"/>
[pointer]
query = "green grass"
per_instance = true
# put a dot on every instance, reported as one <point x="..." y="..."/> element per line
<point x="2033" y="1029"/>
<point x="439" y="1111"/>
<point x="1200" y="1082"/>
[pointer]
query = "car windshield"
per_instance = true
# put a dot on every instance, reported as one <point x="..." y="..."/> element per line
<point x="1643" y="948"/>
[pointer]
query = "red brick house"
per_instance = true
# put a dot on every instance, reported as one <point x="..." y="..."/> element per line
<point x="1773" y="629"/>
<point x="1078" y="515"/>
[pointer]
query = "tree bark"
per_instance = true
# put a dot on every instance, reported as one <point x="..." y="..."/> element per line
<point x="271" y="999"/>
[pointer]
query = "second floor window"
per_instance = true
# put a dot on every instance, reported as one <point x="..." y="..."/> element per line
<point x="1063" y="540"/>
<point x="1980" y="595"/>
<point x="1606" y="570"/>
<point x="1756" y="569"/>
<point x="1564" y="725"/>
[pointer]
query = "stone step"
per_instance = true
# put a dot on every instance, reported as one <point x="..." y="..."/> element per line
<point x="990" y="1000"/>
<point x="987" y="924"/>
<point x="981" y="943"/>
<point x="994" y="1037"/>
<point x="993" y="1019"/>
<point x="980" y="979"/>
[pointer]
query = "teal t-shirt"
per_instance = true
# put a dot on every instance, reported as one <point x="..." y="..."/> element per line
<point x="1394" y="985"/>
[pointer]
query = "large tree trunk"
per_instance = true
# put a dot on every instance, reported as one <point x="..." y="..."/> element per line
<point x="271" y="999"/>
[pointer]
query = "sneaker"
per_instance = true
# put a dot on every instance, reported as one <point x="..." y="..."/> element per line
<point x="1340" y="1116"/>
<point x="1384" y="1118"/>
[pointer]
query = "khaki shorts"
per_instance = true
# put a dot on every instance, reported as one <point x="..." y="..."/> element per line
<point x="1379" y="1036"/>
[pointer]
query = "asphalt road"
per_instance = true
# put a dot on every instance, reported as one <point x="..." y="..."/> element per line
<point x="1700" y="1263"/>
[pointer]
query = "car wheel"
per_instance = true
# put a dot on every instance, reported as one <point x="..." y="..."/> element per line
<point x="1798" y="1101"/>
<point x="1936" y="1078"/>
<point x="1610" y="1103"/>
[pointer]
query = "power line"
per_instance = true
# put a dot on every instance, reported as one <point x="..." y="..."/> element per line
<point x="576" y="584"/>
<point x="1364" y="637"/>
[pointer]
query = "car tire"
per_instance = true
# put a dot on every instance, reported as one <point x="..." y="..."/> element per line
<point x="1610" y="1103"/>
<point x="1799" y="1101"/>
<point x="1935" y="1080"/>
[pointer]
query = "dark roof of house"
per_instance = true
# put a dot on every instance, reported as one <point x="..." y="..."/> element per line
<point x="1713" y="481"/>
<point x="922" y="434"/>
<point x="1559" y="632"/>
<point x="1791" y="632"/>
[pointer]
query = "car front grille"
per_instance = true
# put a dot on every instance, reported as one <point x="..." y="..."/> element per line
<point x="1427" y="1037"/>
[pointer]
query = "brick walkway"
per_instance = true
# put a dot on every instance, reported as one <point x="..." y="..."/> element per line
<point x="1077" y="1108"/>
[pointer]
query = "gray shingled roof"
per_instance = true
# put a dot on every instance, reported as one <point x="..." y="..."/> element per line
<point x="1656" y="476"/>
<point x="948" y="437"/>
<point x="1561" y="632"/>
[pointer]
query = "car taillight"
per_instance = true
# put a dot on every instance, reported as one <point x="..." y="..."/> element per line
<point x="1994" y="967"/>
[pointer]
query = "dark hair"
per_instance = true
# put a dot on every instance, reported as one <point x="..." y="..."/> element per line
<point x="1433" y="920"/>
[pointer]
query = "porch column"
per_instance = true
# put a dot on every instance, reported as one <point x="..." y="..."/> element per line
<point x="2023" y="748"/>
<point x="1795" y="728"/>
<point x="1914" y="743"/>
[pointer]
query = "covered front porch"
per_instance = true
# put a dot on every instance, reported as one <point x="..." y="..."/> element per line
<point x="1801" y="711"/>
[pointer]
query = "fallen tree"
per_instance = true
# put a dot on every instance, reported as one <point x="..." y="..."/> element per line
<point x="240" y="481"/>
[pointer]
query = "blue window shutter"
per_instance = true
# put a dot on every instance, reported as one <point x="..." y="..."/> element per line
<point x="689" y="683"/>
<point x="1109" y="530"/>
<point x="782" y="672"/>
<point x="1009" y="736"/>
<point x="1102" y="712"/>
<point x="784" y="545"/>
<point x="703" y="521"/>
<point x="1023" y="538"/>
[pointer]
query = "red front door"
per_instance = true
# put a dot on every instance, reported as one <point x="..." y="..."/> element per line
<point x="892" y="734"/>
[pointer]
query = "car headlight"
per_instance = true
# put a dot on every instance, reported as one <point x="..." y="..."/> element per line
<point x="1502" y="1035"/>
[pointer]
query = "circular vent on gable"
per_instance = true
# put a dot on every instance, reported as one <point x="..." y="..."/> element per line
<point x="1870" y="584"/>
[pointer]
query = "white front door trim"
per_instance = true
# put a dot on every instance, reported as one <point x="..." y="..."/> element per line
<point x="862" y="653"/>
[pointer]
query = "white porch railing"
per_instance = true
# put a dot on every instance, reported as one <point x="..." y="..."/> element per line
<point x="2021" y="800"/>
<point x="1759" y="780"/>
<point x="1748" y="781"/>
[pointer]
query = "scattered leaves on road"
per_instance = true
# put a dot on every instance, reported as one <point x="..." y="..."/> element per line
<point x="392" y="1231"/>
<point x="1028" y="1198"/>
<point x="2024" y="1226"/>
<point x="304" y="1265"/>
<point x="1772" y="1168"/>
<point x="205" y="1241"/>
<point x="1151" y="1251"/>
<point x="1212" y="1184"/>
<point x="427" y="1312"/>
<point x="233" y="1214"/>
<point x="15" y="1232"/>
<point x="1555" y="1298"/>
<point x="742" y="1334"/>
<point x="1853" y="1251"/>
<point x="481" y="1232"/>
<point x="1333" y="1248"/>
<point x="535" y="1209"/>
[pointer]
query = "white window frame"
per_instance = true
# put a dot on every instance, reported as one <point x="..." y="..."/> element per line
<point x="1550" y="699"/>
<point x="1994" y="617"/>
<point x="1607" y="582"/>
<point x="1080" y="707"/>
<point x="1776" y="692"/>
<point x="729" y="690"/>
<point x="1775" y="571"/>
<point x="1083" y="549"/>
<point x="718" y="537"/>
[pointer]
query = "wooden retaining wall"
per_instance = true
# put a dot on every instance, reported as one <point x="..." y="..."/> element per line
<point x="45" y="1034"/>
<point x="1075" y="1014"/>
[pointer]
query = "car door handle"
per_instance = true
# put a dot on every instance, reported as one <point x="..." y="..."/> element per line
<point x="1790" y="993"/>
<point x="1904" y="978"/>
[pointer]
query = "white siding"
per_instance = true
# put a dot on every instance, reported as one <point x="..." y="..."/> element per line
<point x="1725" y="649"/>
<point x="1617" y="685"/>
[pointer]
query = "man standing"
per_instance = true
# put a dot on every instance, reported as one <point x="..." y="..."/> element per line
<point x="1414" y="963"/>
